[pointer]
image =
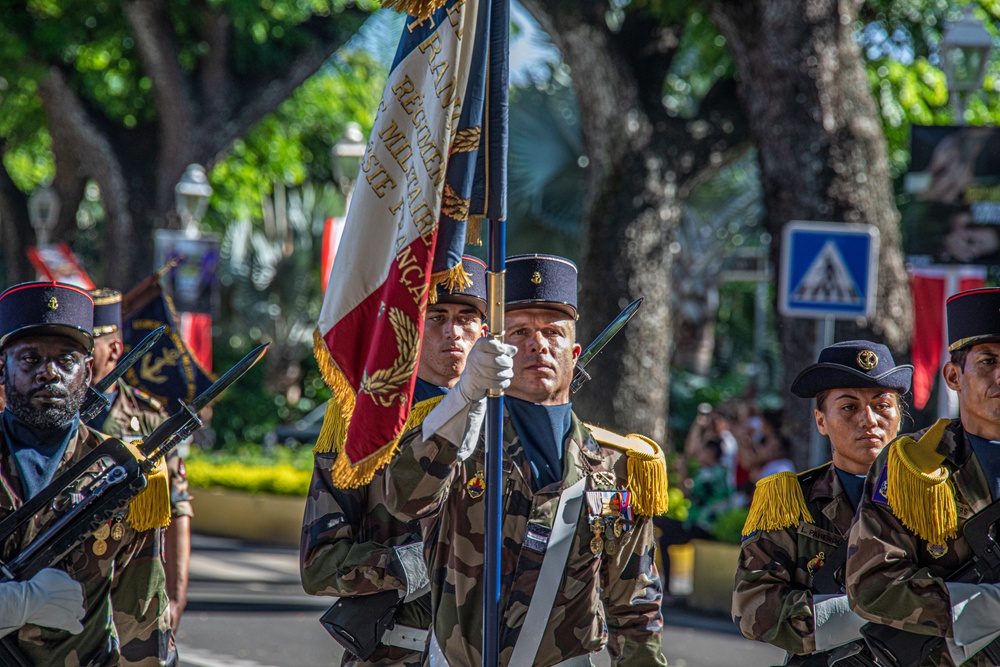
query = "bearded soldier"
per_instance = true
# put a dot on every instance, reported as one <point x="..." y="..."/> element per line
<point x="46" y="367"/>
<point x="578" y="571"/>
<point x="351" y="545"/>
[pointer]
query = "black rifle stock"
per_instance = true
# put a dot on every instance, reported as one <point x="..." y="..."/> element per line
<point x="90" y="492"/>
<point x="899" y="648"/>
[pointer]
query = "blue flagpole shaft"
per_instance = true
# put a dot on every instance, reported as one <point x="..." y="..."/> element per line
<point x="494" y="455"/>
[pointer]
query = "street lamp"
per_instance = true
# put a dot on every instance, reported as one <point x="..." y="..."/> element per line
<point x="965" y="50"/>
<point x="192" y="194"/>
<point x="43" y="212"/>
<point x="346" y="157"/>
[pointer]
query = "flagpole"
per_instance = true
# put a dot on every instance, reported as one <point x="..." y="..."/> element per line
<point x="496" y="120"/>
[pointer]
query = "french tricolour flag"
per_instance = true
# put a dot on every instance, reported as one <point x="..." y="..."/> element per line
<point x="424" y="178"/>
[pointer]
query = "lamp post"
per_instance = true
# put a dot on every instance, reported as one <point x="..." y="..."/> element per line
<point x="346" y="157"/>
<point x="965" y="50"/>
<point x="191" y="195"/>
<point x="43" y="212"/>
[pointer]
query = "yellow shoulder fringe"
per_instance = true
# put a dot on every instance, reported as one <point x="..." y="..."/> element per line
<point x="151" y="508"/>
<point x="919" y="489"/>
<point x="647" y="469"/>
<point x="778" y="503"/>
<point x="420" y="9"/>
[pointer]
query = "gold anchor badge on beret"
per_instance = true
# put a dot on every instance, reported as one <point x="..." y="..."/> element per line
<point x="867" y="360"/>
<point x="53" y="303"/>
<point x="536" y="278"/>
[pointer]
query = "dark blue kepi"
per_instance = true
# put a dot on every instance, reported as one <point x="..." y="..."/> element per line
<point x="853" y="364"/>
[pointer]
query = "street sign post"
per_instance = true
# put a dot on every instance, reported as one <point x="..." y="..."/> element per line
<point x="829" y="271"/>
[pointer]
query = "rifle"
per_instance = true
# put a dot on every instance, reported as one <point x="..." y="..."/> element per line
<point x="93" y="490"/>
<point x="96" y="401"/>
<point x="899" y="648"/>
<point x="579" y="374"/>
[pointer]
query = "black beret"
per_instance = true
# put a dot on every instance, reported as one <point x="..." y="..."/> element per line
<point x="475" y="294"/>
<point x="853" y="364"/>
<point x="973" y="318"/>
<point x="107" y="311"/>
<point x="540" y="281"/>
<point x="46" y="309"/>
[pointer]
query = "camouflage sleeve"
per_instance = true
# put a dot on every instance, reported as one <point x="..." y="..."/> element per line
<point x="331" y="561"/>
<point x="417" y="481"/>
<point x="884" y="582"/>
<point x="632" y="595"/>
<point x="139" y="601"/>
<point x="767" y="604"/>
<point x="180" y="499"/>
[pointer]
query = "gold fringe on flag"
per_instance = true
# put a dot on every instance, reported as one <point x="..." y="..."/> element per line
<point x="919" y="488"/>
<point x="646" y="469"/>
<point x="346" y="475"/>
<point x="151" y="508"/>
<point x="419" y="9"/>
<point x="777" y="504"/>
<point x="453" y="279"/>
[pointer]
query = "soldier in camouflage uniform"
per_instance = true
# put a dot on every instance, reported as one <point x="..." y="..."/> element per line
<point x="134" y="414"/>
<point x="351" y="545"/>
<point x="904" y="546"/>
<point x="45" y="365"/>
<point x="606" y="591"/>
<point x="797" y="522"/>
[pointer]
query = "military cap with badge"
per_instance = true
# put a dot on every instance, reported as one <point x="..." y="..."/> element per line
<point x="107" y="311"/>
<point x="44" y="308"/>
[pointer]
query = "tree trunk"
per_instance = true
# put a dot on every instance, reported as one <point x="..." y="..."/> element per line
<point x="821" y="150"/>
<point x="15" y="229"/>
<point x="640" y="162"/>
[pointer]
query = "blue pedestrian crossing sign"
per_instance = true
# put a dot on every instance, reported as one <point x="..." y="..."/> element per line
<point x="828" y="270"/>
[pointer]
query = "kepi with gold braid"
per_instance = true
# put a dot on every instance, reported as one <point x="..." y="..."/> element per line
<point x="647" y="470"/>
<point x="777" y="504"/>
<point x="919" y="487"/>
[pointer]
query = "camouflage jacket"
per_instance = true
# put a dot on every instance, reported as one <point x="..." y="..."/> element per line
<point x="135" y="414"/>
<point x="772" y="601"/>
<point x="346" y="549"/>
<point x="603" y="600"/>
<point x="892" y="576"/>
<point x="124" y="585"/>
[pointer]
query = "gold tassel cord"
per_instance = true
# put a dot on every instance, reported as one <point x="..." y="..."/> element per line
<point x="419" y="9"/>
<point x="474" y="230"/>
<point x="346" y="475"/>
<point x="777" y="504"/>
<point x="151" y="508"/>
<point x="923" y="501"/>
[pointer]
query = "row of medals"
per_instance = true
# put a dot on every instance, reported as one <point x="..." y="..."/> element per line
<point x="612" y="528"/>
<point x="115" y="532"/>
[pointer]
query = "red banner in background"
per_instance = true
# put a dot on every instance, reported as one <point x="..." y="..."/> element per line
<point x="332" y="232"/>
<point x="196" y="330"/>
<point x="56" y="262"/>
<point x="929" y="286"/>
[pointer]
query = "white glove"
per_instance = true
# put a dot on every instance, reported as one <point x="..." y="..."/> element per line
<point x="835" y="623"/>
<point x="490" y="365"/>
<point x="51" y="599"/>
<point x="459" y="415"/>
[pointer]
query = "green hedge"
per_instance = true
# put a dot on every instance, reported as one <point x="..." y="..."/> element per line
<point x="283" y="472"/>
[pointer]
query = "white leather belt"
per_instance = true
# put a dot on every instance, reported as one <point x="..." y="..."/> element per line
<point x="403" y="636"/>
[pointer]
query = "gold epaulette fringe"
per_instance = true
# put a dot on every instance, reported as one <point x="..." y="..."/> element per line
<point x="346" y="475"/>
<point x="151" y="508"/>
<point x="919" y="488"/>
<point x="420" y="9"/>
<point x="647" y="469"/>
<point x="453" y="279"/>
<point x="777" y="504"/>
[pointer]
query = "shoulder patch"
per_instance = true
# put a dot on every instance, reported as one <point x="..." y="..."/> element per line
<point x="647" y="470"/>
<point x="880" y="494"/>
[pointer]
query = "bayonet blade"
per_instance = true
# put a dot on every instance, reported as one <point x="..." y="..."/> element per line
<point x="231" y="376"/>
<point x="580" y="375"/>
<point x="129" y="360"/>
